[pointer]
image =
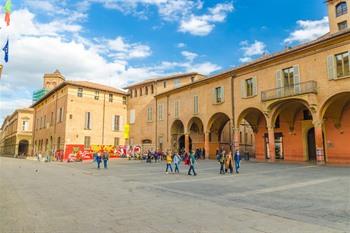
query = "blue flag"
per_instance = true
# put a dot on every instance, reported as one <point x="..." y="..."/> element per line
<point x="6" y="50"/>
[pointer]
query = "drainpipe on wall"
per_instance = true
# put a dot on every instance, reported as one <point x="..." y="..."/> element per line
<point x="103" y="118"/>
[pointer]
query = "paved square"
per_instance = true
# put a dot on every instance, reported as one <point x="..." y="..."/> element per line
<point x="132" y="196"/>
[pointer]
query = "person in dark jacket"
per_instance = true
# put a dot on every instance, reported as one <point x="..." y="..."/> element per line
<point x="192" y="164"/>
<point x="237" y="159"/>
<point x="105" y="158"/>
<point x="98" y="160"/>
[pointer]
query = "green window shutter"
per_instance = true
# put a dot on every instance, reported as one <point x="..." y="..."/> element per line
<point x="279" y="83"/>
<point x="255" y="86"/>
<point x="113" y="122"/>
<point x="214" y="96"/>
<point x="296" y="77"/>
<point x="243" y="89"/>
<point x="222" y="94"/>
<point x="331" y="67"/>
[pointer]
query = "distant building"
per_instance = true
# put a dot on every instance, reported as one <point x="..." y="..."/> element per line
<point x="80" y="114"/>
<point x="50" y="82"/>
<point x="16" y="133"/>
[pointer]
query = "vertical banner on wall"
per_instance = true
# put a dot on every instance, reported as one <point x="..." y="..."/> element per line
<point x="126" y="131"/>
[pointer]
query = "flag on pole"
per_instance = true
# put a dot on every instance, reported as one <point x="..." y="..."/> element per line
<point x="6" y="50"/>
<point x="7" y="9"/>
<point x="7" y="18"/>
<point x="8" y="6"/>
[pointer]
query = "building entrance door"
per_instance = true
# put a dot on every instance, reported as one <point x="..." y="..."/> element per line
<point x="311" y="144"/>
<point x="279" y="146"/>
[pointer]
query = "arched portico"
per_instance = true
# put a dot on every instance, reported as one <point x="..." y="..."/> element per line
<point x="293" y="123"/>
<point x="23" y="147"/>
<point x="177" y="131"/>
<point x="195" y="129"/>
<point x="335" y="115"/>
<point x="256" y="120"/>
<point x="219" y="133"/>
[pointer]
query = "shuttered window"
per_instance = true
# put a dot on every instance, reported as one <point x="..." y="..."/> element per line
<point x="249" y="87"/>
<point x="342" y="64"/>
<point x="176" y="110"/>
<point x="160" y="112"/>
<point x="218" y="95"/>
<point x="196" y="106"/>
<point x="88" y="120"/>
<point x="149" y="114"/>
<point x="132" y="116"/>
<point x="116" y="123"/>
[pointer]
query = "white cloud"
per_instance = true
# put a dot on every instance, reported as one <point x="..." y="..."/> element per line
<point x="308" y="30"/>
<point x="39" y="48"/>
<point x="122" y="50"/>
<point x="181" y="45"/>
<point x="189" y="55"/>
<point x="257" y="48"/>
<point x="204" y="24"/>
<point x="185" y="12"/>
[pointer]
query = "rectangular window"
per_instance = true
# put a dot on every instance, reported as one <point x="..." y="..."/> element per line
<point x="110" y="98"/>
<point x="88" y="120"/>
<point x="116" y="123"/>
<point x="124" y="100"/>
<point x="116" y="142"/>
<point x="342" y="25"/>
<point x="87" y="140"/>
<point x="44" y="126"/>
<point x="25" y="125"/>
<point x="80" y="92"/>
<point x="219" y="95"/>
<point x="249" y="87"/>
<point x="176" y="110"/>
<point x="131" y="91"/>
<point x="141" y="91"/>
<point x="97" y="95"/>
<point x="135" y="92"/>
<point x="177" y="83"/>
<point x="160" y="112"/>
<point x="288" y="77"/>
<point x="60" y="115"/>
<point x="342" y="64"/>
<point x="146" y="90"/>
<point x="149" y="114"/>
<point x="192" y="79"/>
<point x="132" y="116"/>
<point x="152" y="89"/>
<point x="164" y="84"/>
<point x="51" y="119"/>
<point x="41" y="123"/>
<point x="195" y="105"/>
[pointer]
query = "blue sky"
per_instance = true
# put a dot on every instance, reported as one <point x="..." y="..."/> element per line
<point x="116" y="42"/>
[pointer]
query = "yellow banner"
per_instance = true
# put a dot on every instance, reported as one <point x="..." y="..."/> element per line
<point x="126" y="131"/>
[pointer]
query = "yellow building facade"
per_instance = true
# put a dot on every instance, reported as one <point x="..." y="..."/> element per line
<point x="79" y="114"/>
<point x="16" y="133"/>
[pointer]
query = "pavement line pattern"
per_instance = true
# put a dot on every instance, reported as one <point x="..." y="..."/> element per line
<point x="282" y="187"/>
<point x="223" y="177"/>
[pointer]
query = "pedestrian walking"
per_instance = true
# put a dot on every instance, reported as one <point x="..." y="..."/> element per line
<point x="222" y="162"/>
<point x="177" y="160"/>
<point x="169" y="160"/>
<point x="105" y="158"/>
<point x="229" y="163"/>
<point x="192" y="164"/>
<point x="98" y="160"/>
<point x="237" y="159"/>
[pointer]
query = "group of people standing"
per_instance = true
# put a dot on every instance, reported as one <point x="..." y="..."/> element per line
<point x="99" y="157"/>
<point x="175" y="159"/>
<point x="226" y="161"/>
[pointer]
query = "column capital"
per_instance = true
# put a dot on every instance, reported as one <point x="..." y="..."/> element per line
<point x="318" y="123"/>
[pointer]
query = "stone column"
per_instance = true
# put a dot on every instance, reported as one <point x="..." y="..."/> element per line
<point x="187" y="142"/>
<point x="271" y="133"/>
<point x="320" y="158"/>
<point x="206" y="144"/>
<point x="237" y="139"/>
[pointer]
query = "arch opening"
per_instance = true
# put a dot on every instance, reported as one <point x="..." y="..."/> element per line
<point x="23" y="148"/>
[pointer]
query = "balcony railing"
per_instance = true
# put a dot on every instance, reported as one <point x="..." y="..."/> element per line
<point x="294" y="90"/>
